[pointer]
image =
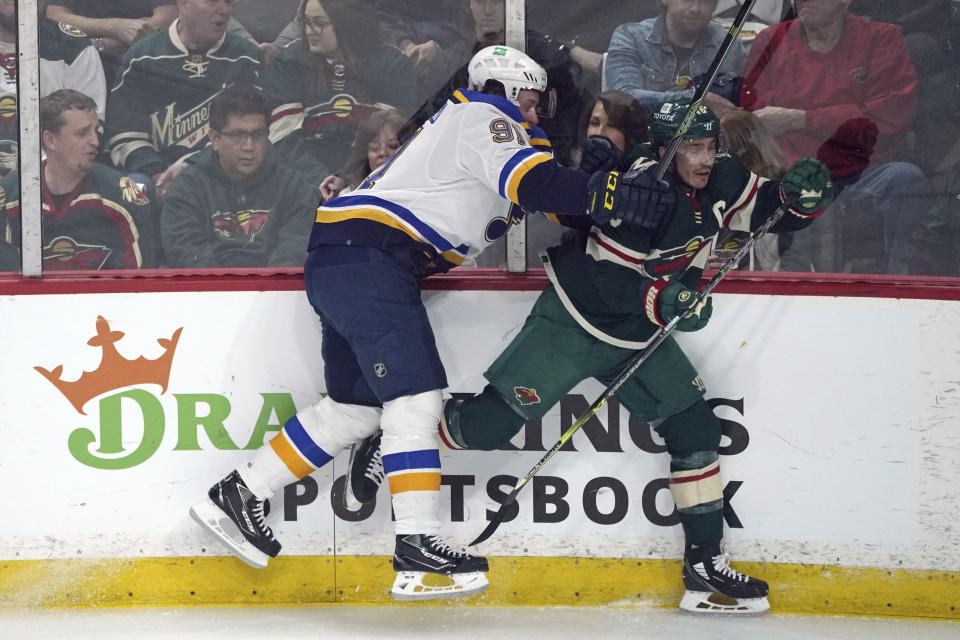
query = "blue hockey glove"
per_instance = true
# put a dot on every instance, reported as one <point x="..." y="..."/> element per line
<point x="599" y="154"/>
<point x="806" y="186"/>
<point x="632" y="197"/>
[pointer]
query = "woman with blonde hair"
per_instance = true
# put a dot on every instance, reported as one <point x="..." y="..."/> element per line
<point x="378" y="138"/>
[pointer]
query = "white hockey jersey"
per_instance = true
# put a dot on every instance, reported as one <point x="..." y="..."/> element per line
<point x="453" y="185"/>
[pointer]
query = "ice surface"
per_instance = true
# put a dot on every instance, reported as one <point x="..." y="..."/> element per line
<point x="451" y="622"/>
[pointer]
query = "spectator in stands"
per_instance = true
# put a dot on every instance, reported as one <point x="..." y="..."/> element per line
<point x="235" y="205"/>
<point x="841" y="88"/>
<point x="67" y="61"/>
<point x="436" y="35"/>
<point x="329" y="81"/>
<point x="9" y="256"/>
<point x="93" y="216"/>
<point x="923" y="25"/>
<point x="9" y="122"/>
<point x="114" y="25"/>
<point x="160" y="101"/>
<point x="617" y="116"/>
<point x="378" y="139"/>
<point x="663" y="59"/>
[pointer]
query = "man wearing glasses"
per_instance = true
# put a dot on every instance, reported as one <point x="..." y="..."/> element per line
<point x="234" y="206"/>
<point x="159" y="105"/>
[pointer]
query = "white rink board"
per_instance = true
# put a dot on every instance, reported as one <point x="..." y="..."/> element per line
<point x="851" y="407"/>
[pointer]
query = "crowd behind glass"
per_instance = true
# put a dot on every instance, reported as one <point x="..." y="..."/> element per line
<point x="203" y="133"/>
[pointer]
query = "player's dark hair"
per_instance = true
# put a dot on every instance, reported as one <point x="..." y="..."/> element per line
<point x="237" y="100"/>
<point x="53" y="106"/>
<point x="494" y="88"/>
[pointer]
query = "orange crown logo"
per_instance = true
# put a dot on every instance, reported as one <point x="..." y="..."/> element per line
<point x="114" y="371"/>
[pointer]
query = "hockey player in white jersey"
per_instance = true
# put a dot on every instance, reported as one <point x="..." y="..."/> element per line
<point x="450" y="190"/>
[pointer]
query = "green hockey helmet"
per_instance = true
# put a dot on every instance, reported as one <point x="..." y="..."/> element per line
<point x="665" y="121"/>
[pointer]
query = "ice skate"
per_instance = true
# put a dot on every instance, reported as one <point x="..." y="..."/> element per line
<point x="428" y="568"/>
<point x="714" y="587"/>
<point x="364" y="471"/>
<point x="235" y="516"/>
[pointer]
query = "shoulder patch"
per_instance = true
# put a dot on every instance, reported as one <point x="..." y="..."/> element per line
<point x="71" y="30"/>
<point x="132" y="192"/>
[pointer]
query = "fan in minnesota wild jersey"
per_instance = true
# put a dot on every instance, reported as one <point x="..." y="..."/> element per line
<point x="609" y="293"/>
<point x="449" y="191"/>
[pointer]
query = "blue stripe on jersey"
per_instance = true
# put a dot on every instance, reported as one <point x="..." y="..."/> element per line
<point x="317" y="456"/>
<point x="510" y="165"/>
<point x="406" y="460"/>
<point x="464" y="95"/>
<point x="425" y="231"/>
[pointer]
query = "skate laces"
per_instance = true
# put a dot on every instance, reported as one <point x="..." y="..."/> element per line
<point x="721" y="565"/>
<point x="439" y="545"/>
<point x="258" y="517"/>
<point x="374" y="470"/>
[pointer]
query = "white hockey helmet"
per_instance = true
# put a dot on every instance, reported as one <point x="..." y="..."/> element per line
<point x="515" y="71"/>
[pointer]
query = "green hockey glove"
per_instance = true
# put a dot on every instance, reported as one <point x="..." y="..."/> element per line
<point x="806" y="186"/>
<point x="665" y="301"/>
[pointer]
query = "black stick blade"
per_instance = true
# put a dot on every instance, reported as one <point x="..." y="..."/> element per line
<point x="497" y="518"/>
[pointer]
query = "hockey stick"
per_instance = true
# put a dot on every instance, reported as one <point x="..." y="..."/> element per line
<point x="659" y="338"/>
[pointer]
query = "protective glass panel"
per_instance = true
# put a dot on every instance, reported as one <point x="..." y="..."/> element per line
<point x="9" y="135"/>
<point x="871" y="91"/>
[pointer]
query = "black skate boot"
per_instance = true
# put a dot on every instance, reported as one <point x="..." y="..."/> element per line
<point x="364" y="471"/>
<point x="428" y="568"/>
<point x="714" y="587"/>
<point x="233" y="514"/>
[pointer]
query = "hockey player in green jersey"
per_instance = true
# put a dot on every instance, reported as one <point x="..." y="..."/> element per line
<point x="609" y="293"/>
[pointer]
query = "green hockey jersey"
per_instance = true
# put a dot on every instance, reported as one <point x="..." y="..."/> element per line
<point x="159" y="107"/>
<point x="610" y="278"/>
<point x="106" y="222"/>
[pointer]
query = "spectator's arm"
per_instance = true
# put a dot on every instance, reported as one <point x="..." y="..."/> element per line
<point x="625" y="71"/>
<point x="393" y="80"/>
<point x="185" y="227"/>
<point x="290" y="33"/>
<point x="237" y="29"/>
<point x="294" y="232"/>
<point x="125" y="30"/>
<point x="128" y="127"/>
<point x="144" y="219"/>
<point x="282" y="86"/>
<point x="163" y="16"/>
<point x="86" y="76"/>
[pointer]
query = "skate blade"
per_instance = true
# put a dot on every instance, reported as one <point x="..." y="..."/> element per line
<point x="420" y="585"/>
<point x="707" y="602"/>
<point x="212" y="518"/>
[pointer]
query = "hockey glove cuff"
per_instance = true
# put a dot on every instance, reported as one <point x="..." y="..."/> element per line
<point x="664" y="301"/>
<point x="806" y="187"/>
